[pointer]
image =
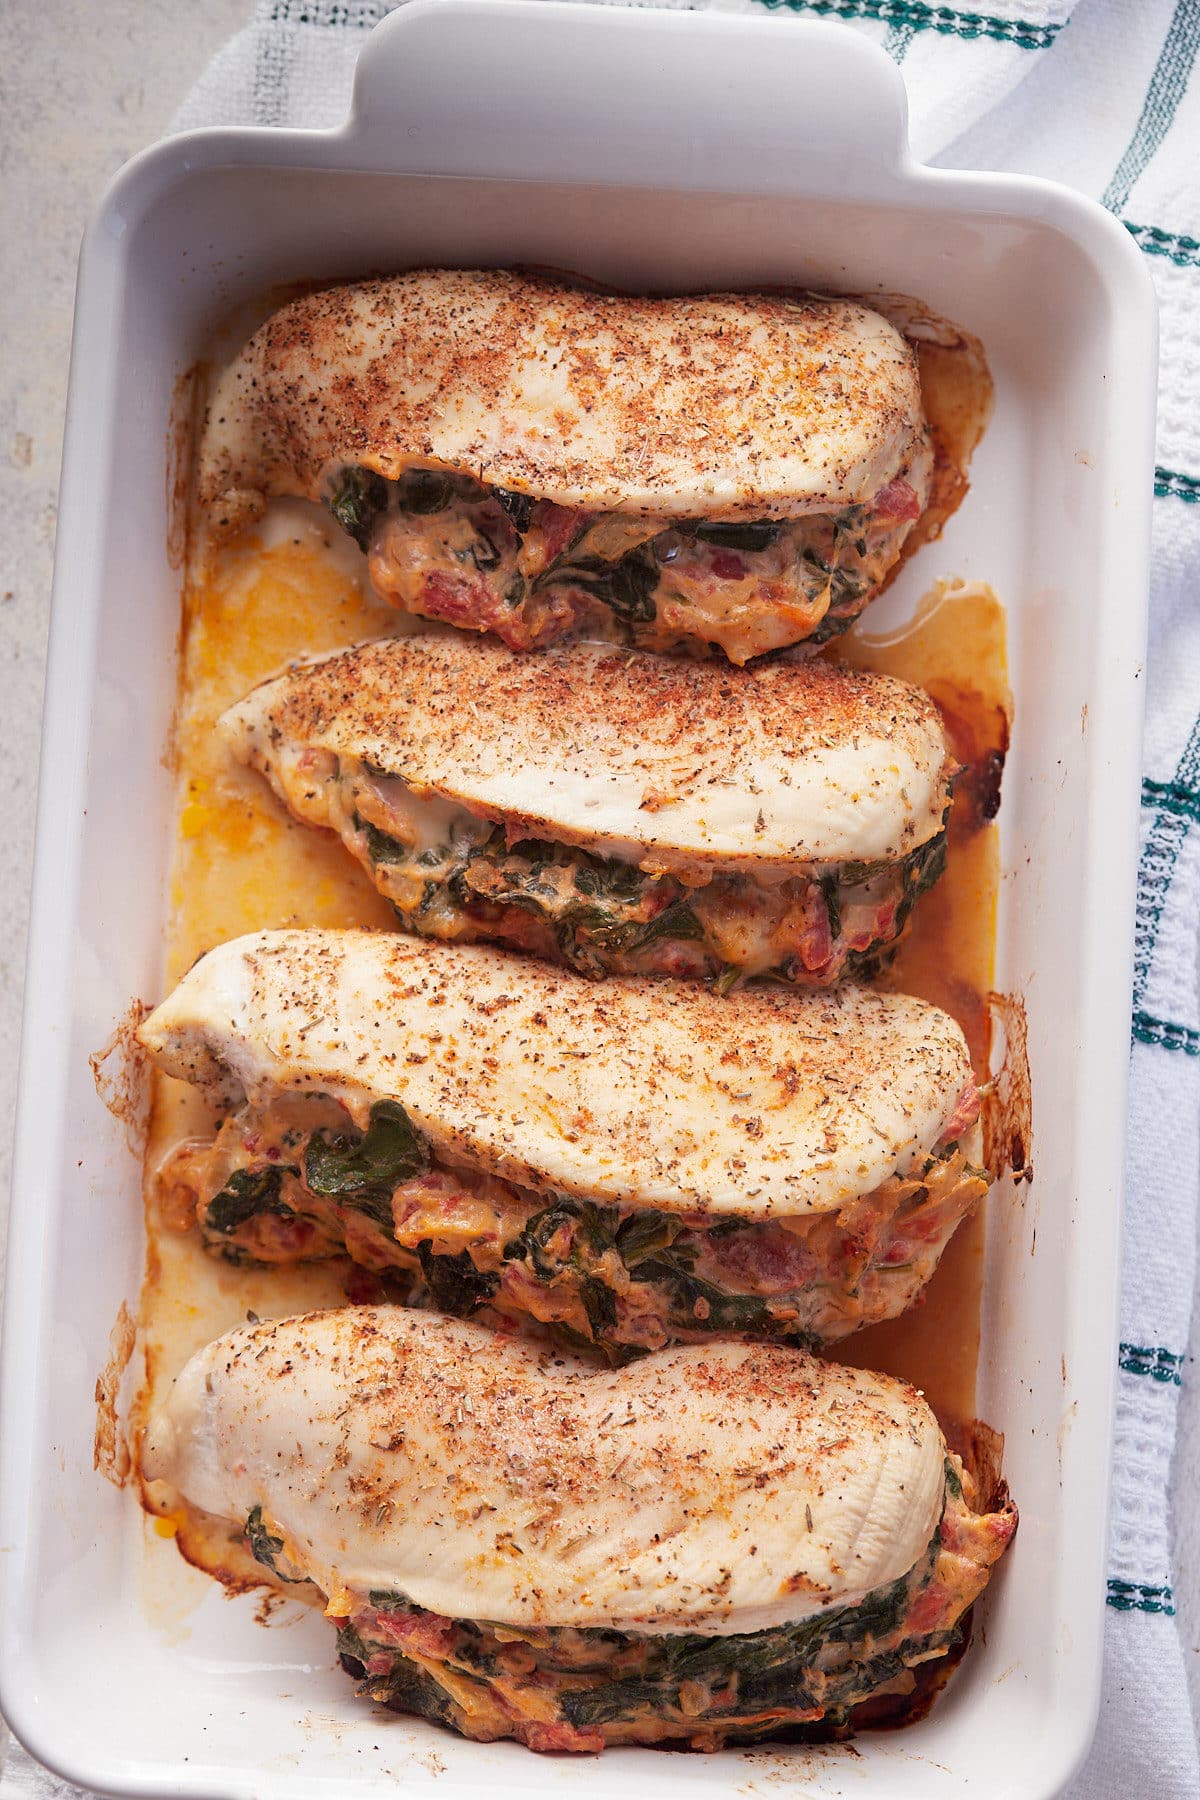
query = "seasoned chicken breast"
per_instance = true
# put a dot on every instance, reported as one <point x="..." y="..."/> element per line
<point x="622" y="814"/>
<point x="716" y="1543"/>
<point x="525" y="456"/>
<point x="632" y="1163"/>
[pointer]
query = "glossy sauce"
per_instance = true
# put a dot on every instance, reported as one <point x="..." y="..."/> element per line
<point x="955" y="647"/>
<point x="949" y="954"/>
<point x="296" y="588"/>
<point x="242" y="864"/>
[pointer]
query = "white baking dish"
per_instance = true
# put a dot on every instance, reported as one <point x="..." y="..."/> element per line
<point x="661" y="150"/>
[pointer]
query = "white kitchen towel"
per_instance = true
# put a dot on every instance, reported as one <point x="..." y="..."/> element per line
<point x="1104" y="94"/>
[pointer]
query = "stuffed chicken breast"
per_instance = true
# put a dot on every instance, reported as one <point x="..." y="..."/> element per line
<point x="620" y="813"/>
<point x="525" y="456"/>
<point x="630" y="1163"/>
<point x="719" y="1543"/>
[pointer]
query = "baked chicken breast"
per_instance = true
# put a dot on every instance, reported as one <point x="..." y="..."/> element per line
<point x="525" y="456"/>
<point x="630" y="1163"/>
<point x="718" y="1544"/>
<point x="623" y="814"/>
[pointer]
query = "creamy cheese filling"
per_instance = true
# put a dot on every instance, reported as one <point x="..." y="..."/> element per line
<point x="446" y="547"/>
<point x="453" y="875"/>
<point x="295" y="1182"/>
<point x="571" y="1689"/>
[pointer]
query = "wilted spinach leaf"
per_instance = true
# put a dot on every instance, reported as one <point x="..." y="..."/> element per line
<point x="366" y="1167"/>
<point x="600" y="1305"/>
<point x="832" y="898"/>
<point x="454" y="1282"/>
<point x="483" y="553"/>
<point x="358" y="498"/>
<point x="607" y="877"/>
<point x="671" y="1269"/>
<point x="642" y="1233"/>
<point x="264" y="1547"/>
<point x="605" y="930"/>
<point x="517" y="506"/>
<point x="423" y="491"/>
<point x="380" y="847"/>
<point x="627" y="587"/>
<point x="246" y="1194"/>
<point x="675" y="921"/>
<point x="404" y="1687"/>
<point x="755" y="534"/>
<point x="588" y="1229"/>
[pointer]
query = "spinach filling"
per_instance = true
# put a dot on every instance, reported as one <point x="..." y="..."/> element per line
<point x="593" y="908"/>
<point x="360" y="1169"/>
<point x="263" y="1546"/>
<point x="921" y="870"/>
<point x="365" y="1170"/>
<point x="267" y="1549"/>
<point x="825" y="1664"/>
<point x="575" y="1238"/>
<point x="455" y="1285"/>
<point x="599" y="913"/>
<point x="617" y="1283"/>
<point x="757" y="534"/>
<point x="408" y="1688"/>
<point x="627" y="585"/>
<point x="358" y="500"/>
<point x="247" y="1194"/>
<point x="568" y="1240"/>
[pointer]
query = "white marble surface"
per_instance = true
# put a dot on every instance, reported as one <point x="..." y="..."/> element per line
<point x="83" y="86"/>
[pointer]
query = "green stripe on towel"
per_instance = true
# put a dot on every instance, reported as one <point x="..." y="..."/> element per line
<point x="1169" y="482"/>
<point x="1169" y="796"/>
<point x="1156" y="870"/>
<point x="1133" y="1596"/>
<point x="1181" y="249"/>
<point x="948" y="20"/>
<point x="1152" y="1360"/>
<point x="1168" y="1036"/>
<point x="332" y="15"/>
<point x="1167" y="87"/>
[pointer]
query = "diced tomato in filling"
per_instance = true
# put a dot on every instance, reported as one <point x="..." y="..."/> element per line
<point x="558" y="525"/>
<point x="362" y="1287"/>
<point x="460" y="602"/>
<point x="929" y="1608"/>
<point x="673" y="959"/>
<point x="435" y="1188"/>
<point x="280" y="1238"/>
<point x="727" y="565"/>
<point x="769" y="1255"/>
<point x="964" y="1115"/>
<point x="557" y="1735"/>
<point x="815" y="945"/>
<point x="897" y="501"/>
<point x="885" y="920"/>
<point x="428" y="1634"/>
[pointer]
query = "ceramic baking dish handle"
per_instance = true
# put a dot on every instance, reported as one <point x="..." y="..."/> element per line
<point x="699" y="97"/>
